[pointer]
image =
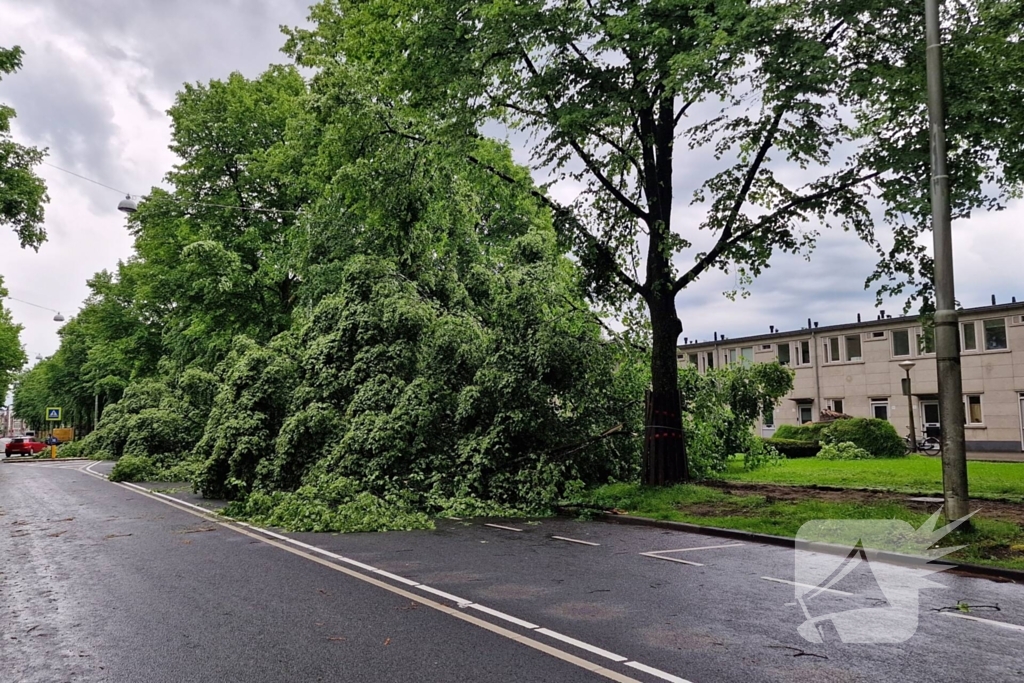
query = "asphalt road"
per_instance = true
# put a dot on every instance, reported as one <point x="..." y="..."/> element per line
<point x="102" y="582"/>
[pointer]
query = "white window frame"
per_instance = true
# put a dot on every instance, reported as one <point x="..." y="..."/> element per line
<point x="789" y="361"/>
<point x="878" y="334"/>
<point x="709" y="355"/>
<point x="800" y="360"/>
<point x="919" y="339"/>
<point x="800" y="410"/>
<point x="876" y="403"/>
<point x="967" y="410"/>
<point x="984" y="335"/>
<point x="829" y="356"/>
<point x="846" y="348"/>
<point x="973" y="324"/>
<point x="892" y="346"/>
<point x="831" y="404"/>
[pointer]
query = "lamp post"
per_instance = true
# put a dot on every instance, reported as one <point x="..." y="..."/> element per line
<point x="907" y="366"/>
<point x="947" y="353"/>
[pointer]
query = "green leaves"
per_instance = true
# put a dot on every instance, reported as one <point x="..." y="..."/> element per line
<point x="22" y="192"/>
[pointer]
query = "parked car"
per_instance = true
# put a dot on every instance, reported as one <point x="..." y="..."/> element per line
<point x="23" y="445"/>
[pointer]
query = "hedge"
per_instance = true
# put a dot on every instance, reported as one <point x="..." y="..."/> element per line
<point x="877" y="437"/>
<point x="794" y="448"/>
<point x="807" y="433"/>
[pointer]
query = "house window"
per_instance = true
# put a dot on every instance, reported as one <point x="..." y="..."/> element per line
<point x="742" y="355"/>
<point x="710" y="365"/>
<point x="832" y="350"/>
<point x="769" y="419"/>
<point x="835" y="405"/>
<point x="878" y="335"/>
<point x="692" y="359"/>
<point x="880" y="409"/>
<point x="805" y="353"/>
<point x="970" y="340"/>
<point x="925" y="341"/>
<point x="972" y="409"/>
<point x="783" y="354"/>
<point x="995" y="334"/>
<point x="901" y="342"/>
<point x="853" y="347"/>
<point x="806" y="414"/>
<point x="766" y="347"/>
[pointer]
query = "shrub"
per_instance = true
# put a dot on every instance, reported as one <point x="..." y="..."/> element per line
<point x="806" y="432"/>
<point x="71" y="449"/>
<point x="877" y="437"/>
<point x="134" y="468"/>
<point x="794" y="448"/>
<point x="844" y="450"/>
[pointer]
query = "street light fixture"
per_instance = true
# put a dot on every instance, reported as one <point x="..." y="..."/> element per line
<point x="128" y="205"/>
<point x="907" y="366"/>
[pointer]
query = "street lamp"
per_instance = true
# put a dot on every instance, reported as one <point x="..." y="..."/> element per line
<point x="907" y="366"/>
<point x="128" y="205"/>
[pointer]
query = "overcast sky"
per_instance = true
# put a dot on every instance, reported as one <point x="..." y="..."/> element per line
<point x="99" y="76"/>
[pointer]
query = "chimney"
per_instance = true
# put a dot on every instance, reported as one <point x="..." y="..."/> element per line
<point x="686" y="340"/>
<point x="808" y="323"/>
<point x="815" y="324"/>
<point x="858" y="317"/>
<point x="771" y="328"/>
<point x="716" y="336"/>
<point x="993" y="299"/>
<point x="889" y="317"/>
<point x="881" y="315"/>
<point x="1013" y="299"/>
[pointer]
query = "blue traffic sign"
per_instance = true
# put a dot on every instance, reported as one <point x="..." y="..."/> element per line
<point x="53" y="414"/>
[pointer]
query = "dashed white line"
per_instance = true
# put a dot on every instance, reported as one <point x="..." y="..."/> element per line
<point x="672" y="559"/>
<point x="506" y="528"/>
<point x="1001" y="624"/>
<point x="580" y="644"/>
<point x="656" y="672"/>
<point x="502" y="615"/>
<point x="806" y="585"/>
<point x="573" y="540"/>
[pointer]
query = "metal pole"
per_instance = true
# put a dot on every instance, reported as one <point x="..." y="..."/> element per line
<point x="947" y="355"/>
<point x="910" y="410"/>
<point x="95" y="411"/>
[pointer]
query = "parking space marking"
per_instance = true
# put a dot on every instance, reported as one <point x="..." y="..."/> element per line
<point x="656" y="672"/>
<point x="1003" y="624"/>
<point x="672" y="559"/>
<point x="583" y="646"/>
<point x="573" y="540"/>
<point x="807" y="585"/>
<point x="703" y="547"/>
<point x="506" y="528"/>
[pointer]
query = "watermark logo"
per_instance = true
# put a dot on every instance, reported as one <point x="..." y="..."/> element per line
<point x="826" y="575"/>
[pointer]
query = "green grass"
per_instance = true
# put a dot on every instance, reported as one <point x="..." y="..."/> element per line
<point x="990" y="542"/>
<point x="913" y="474"/>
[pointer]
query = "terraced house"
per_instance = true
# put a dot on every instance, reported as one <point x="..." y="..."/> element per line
<point x="855" y="369"/>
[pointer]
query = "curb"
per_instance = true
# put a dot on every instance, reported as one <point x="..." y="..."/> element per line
<point x="37" y="460"/>
<point x="975" y="570"/>
<point x="725" y="484"/>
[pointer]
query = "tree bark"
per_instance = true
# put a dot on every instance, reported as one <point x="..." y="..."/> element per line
<point x="664" y="446"/>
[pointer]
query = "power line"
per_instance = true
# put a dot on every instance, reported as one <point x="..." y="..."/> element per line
<point x="12" y="298"/>
<point x="194" y="203"/>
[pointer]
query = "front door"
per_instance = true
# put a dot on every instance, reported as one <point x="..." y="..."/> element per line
<point x="930" y="417"/>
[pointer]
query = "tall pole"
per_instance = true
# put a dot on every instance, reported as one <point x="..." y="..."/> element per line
<point x="910" y="411"/>
<point x="947" y="355"/>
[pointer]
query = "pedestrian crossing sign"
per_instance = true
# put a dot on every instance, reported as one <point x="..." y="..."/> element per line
<point x="53" y="414"/>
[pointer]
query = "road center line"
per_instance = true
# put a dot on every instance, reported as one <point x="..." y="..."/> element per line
<point x="807" y="585"/>
<point x="255" y="533"/>
<point x="703" y="547"/>
<point x="573" y="540"/>
<point x="506" y="528"/>
<point x="1002" y="624"/>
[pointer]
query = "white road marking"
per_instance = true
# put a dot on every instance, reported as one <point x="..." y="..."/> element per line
<point x="672" y="559"/>
<point x="506" y="528"/>
<point x="807" y="585"/>
<point x="396" y="577"/>
<point x="657" y="672"/>
<point x="461" y="602"/>
<point x="583" y="646"/>
<point x="703" y="547"/>
<point x="502" y="615"/>
<point x="1002" y="624"/>
<point x="255" y="533"/>
<point x="573" y="540"/>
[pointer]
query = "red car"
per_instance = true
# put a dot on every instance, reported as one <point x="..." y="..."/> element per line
<point x="23" y="445"/>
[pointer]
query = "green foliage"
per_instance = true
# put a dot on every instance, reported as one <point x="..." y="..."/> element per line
<point x="22" y="192"/>
<point x="720" y="408"/>
<point x="842" y="450"/>
<point x="134" y="468"/>
<point x="12" y="355"/>
<point x="793" y="448"/>
<point x="70" y="449"/>
<point x="810" y="432"/>
<point x="877" y="437"/>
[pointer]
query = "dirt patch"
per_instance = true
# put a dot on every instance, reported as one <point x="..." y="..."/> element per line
<point x="1007" y="512"/>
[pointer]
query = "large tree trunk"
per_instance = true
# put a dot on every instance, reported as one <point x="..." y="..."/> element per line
<point x="664" y="443"/>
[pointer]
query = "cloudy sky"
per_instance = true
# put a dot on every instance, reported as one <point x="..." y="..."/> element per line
<point x="99" y="75"/>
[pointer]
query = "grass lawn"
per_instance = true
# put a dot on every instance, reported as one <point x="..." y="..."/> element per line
<point x="912" y="474"/>
<point x="991" y="542"/>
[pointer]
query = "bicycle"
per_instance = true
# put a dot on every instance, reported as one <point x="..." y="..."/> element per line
<point x="927" y="445"/>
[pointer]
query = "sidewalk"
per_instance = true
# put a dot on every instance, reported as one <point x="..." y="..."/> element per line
<point x="1014" y="456"/>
